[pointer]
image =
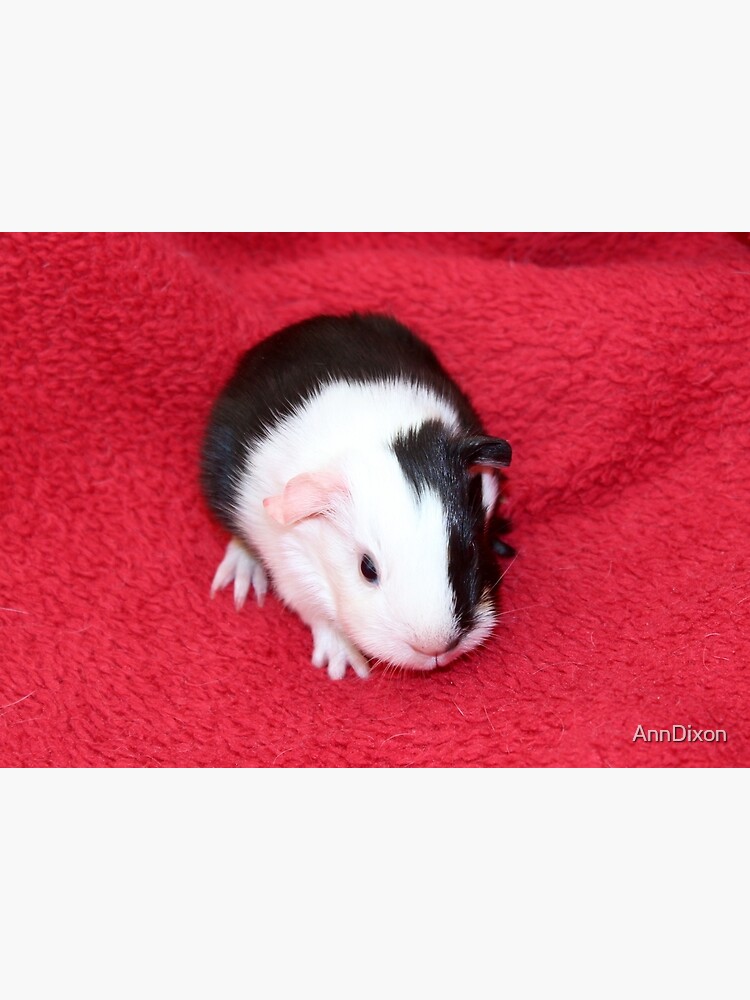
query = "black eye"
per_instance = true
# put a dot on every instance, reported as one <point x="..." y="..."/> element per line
<point x="368" y="569"/>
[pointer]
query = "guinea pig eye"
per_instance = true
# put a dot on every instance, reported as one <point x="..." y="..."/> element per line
<point x="368" y="569"/>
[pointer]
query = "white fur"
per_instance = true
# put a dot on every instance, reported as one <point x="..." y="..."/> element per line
<point x="315" y="564"/>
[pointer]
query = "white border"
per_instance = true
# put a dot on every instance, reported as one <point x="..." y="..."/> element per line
<point x="403" y="116"/>
<point x="373" y="882"/>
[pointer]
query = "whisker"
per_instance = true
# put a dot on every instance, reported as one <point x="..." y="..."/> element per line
<point x="524" y="608"/>
<point x="507" y="568"/>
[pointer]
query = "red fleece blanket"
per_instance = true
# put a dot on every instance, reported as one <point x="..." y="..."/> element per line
<point x="618" y="367"/>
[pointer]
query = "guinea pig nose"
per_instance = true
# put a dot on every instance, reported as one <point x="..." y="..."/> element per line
<point x="436" y="650"/>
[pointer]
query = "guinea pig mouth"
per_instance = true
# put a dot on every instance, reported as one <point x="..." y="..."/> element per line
<point x="435" y="653"/>
<point x="411" y="656"/>
<point x="425" y="661"/>
<point x="423" y="658"/>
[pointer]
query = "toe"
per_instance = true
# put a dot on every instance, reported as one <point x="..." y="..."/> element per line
<point x="224" y="575"/>
<point x="359" y="666"/>
<point x="260" y="584"/>
<point x="337" y="667"/>
<point x="241" y="586"/>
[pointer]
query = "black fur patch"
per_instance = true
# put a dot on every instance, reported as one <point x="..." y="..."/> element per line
<point x="432" y="458"/>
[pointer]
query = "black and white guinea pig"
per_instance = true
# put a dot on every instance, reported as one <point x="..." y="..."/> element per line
<point x="353" y="471"/>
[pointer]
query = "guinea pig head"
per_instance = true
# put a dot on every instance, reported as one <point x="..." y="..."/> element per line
<point x="399" y="532"/>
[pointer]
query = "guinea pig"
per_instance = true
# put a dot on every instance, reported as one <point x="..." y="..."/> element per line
<point x="353" y="472"/>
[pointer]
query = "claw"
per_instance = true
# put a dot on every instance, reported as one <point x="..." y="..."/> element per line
<point x="245" y="570"/>
<point x="332" y="650"/>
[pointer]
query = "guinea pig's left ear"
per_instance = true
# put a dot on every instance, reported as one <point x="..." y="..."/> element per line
<point x="484" y="453"/>
<point x="306" y="495"/>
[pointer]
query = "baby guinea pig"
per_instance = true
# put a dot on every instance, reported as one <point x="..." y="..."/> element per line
<point x="354" y="473"/>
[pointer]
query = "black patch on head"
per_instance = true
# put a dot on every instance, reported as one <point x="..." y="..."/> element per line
<point x="431" y="458"/>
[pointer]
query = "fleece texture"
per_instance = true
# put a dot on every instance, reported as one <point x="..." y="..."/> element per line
<point x="617" y="366"/>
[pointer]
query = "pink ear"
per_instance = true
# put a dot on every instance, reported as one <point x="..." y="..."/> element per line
<point x="306" y="495"/>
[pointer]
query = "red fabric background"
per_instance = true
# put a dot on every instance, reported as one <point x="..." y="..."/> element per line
<point x="617" y="366"/>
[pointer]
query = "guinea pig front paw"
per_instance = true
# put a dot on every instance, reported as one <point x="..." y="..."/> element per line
<point x="331" y="649"/>
<point x="244" y="569"/>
